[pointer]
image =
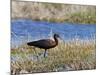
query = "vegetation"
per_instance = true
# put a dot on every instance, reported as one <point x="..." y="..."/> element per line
<point x="67" y="56"/>
<point x="75" y="54"/>
<point x="53" y="12"/>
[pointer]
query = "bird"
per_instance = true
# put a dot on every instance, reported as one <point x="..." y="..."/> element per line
<point x="45" y="43"/>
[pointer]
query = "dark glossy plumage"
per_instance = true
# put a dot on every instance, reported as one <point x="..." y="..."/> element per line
<point x="45" y="43"/>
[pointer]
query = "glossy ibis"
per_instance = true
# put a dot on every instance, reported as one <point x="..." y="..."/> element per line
<point x="45" y="43"/>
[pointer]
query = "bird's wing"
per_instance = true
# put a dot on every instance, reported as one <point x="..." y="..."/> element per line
<point x="46" y="41"/>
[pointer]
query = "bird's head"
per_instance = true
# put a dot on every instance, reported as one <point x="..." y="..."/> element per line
<point x="56" y="36"/>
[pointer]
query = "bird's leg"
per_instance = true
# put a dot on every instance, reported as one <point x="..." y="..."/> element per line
<point x="45" y="53"/>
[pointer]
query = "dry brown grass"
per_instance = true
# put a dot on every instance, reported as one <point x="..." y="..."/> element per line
<point x="72" y="55"/>
<point x="51" y="12"/>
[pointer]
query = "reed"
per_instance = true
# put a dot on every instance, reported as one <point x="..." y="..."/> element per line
<point x="54" y="12"/>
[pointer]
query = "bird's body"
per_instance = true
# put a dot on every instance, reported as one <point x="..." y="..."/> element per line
<point x="45" y="43"/>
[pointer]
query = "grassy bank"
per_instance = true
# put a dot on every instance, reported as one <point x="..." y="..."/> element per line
<point x="54" y="12"/>
<point x="72" y="55"/>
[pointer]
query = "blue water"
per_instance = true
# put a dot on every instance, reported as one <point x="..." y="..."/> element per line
<point x="28" y="30"/>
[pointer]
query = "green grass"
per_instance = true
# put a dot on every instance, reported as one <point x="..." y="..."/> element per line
<point x="84" y="17"/>
<point x="79" y="17"/>
<point x="73" y="55"/>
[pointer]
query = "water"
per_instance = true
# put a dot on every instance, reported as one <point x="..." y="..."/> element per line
<point x="27" y="30"/>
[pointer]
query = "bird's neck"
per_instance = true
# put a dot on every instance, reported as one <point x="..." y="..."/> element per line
<point x="56" y="40"/>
